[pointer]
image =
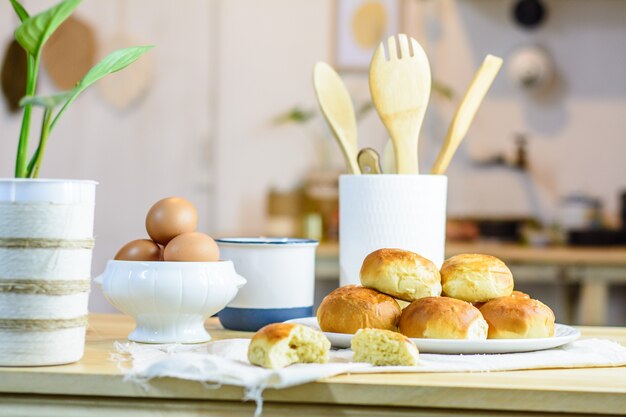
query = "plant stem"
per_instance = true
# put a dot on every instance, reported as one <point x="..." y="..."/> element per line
<point x="43" y="140"/>
<point x="60" y="112"/>
<point x="31" y="164"/>
<point x="22" y="147"/>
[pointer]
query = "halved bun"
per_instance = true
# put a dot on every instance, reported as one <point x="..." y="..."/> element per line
<point x="383" y="348"/>
<point x="281" y="344"/>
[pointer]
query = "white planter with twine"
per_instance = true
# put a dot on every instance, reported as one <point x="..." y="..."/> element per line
<point x="46" y="241"/>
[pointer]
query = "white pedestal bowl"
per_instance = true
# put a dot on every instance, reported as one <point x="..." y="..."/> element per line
<point x="170" y="300"/>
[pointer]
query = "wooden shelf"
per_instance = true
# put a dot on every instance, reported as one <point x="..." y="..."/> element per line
<point x="561" y="255"/>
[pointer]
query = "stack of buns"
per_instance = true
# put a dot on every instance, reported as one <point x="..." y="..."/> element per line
<point x="470" y="297"/>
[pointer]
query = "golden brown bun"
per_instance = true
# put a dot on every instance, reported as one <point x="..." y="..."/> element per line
<point x="442" y="318"/>
<point x="281" y="344"/>
<point x="401" y="274"/>
<point x="518" y="318"/>
<point x="350" y="308"/>
<point x="476" y="278"/>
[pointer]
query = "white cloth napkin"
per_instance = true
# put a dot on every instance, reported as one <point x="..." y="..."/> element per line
<point x="225" y="362"/>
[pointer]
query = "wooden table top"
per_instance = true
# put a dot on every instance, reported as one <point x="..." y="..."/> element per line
<point x="562" y="255"/>
<point x="598" y="390"/>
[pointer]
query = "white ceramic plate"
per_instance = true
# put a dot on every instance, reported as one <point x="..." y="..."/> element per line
<point x="562" y="335"/>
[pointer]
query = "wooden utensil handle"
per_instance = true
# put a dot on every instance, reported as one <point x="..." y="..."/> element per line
<point x="404" y="131"/>
<point x="464" y="116"/>
<point x="351" y="160"/>
<point x="369" y="162"/>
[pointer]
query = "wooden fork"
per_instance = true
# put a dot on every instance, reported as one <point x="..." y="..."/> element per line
<point x="400" y="89"/>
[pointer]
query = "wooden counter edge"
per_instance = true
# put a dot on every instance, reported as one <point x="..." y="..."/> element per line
<point x="417" y="391"/>
<point x="327" y="392"/>
<point x="62" y="406"/>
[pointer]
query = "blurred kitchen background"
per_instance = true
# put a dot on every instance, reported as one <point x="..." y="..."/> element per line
<point x="223" y="112"/>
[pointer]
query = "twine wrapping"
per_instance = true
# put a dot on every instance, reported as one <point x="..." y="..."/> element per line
<point x="31" y="219"/>
<point x="44" y="287"/>
<point x="45" y="264"/>
<point x="39" y="325"/>
<point x="38" y="243"/>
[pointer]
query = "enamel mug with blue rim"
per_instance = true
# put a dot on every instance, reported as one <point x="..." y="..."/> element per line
<point x="281" y="280"/>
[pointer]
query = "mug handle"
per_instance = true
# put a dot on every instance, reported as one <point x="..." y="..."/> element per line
<point x="239" y="281"/>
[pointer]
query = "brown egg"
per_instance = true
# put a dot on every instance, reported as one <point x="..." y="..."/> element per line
<point x="139" y="250"/>
<point x="192" y="247"/>
<point x="171" y="217"/>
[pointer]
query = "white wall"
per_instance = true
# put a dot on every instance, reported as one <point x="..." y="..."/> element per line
<point x="576" y="131"/>
<point x="158" y="148"/>
<point x="267" y="50"/>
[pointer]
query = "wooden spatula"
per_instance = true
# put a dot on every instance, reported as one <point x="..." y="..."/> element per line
<point x="467" y="110"/>
<point x="369" y="161"/>
<point x="336" y="105"/>
<point x="400" y="88"/>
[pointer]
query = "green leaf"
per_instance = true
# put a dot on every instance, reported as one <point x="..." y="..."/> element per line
<point x="115" y="61"/>
<point x="33" y="33"/>
<point x="19" y="10"/>
<point x="49" y="102"/>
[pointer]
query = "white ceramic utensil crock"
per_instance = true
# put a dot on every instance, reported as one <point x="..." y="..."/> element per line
<point x="170" y="300"/>
<point x="390" y="211"/>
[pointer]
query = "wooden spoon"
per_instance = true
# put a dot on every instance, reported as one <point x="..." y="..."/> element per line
<point x="336" y="105"/>
<point x="389" y="160"/>
<point x="369" y="162"/>
<point x="400" y="88"/>
<point x="467" y="110"/>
